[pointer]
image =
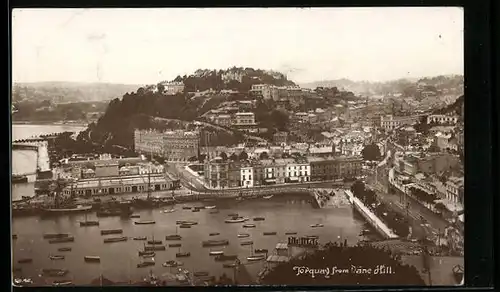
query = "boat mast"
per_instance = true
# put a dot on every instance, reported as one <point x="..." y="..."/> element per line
<point x="149" y="182"/>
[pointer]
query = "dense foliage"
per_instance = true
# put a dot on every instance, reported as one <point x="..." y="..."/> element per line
<point x="47" y="111"/>
<point x="344" y="257"/>
<point x="371" y="152"/>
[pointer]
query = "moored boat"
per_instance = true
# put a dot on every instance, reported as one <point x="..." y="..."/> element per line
<point x="175" y="245"/>
<point x="144" y="222"/>
<point x="173" y="237"/>
<point x="140" y="238"/>
<point x="146" y="264"/>
<point x="316" y="225"/>
<point x="291" y="233"/>
<point x="62" y="283"/>
<point x="260" y="250"/>
<point x="183" y="254"/>
<point x="233" y="215"/>
<point x="201" y="274"/>
<point x="243" y="235"/>
<point x="154" y="248"/>
<point x="55" y="235"/>
<point x="153" y="241"/>
<point x="213" y="234"/>
<point x="216" y="252"/>
<point x="215" y="242"/>
<point x="237" y="220"/>
<point x="248" y="225"/>
<point x="267" y="197"/>
<point x="135" y="216"/>
<point x="185" y="222"/>
<point x="229" y="265"/>
<point x="210" y="207"/>
<point x="259" y="219"/>
<point x="115" y="239"/>
<point x="56" y="257"/>
<point x="185" y="226"/>
<point x="148" y="255"/>
<point x="25" y="261"/>
<point x="256" y="258"/>
<point x="169" y="211"/>
<point x="92" y="259"/>
<point x="172" y="264"/>
<point x="270" y="233"/>
<point x="223" y="257"/>
<point x="64" y="249"/>
<point x="186" y="208"/>
<point x="89" y="223"/>
<point x="54" y="272"/>
<point x="249" y="242"/>
<point x="66" y="209"/>
<point x="62" y="240"/>
<point x="111" y="231"/>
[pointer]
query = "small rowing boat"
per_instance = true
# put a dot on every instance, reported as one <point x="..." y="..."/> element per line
<point x="92" y="259"/>
<point x="184" y="226"/>
<point x="115" y="239"/>
<point x="248" y="225"/>
<point x="55" y="235"/>
<point x="222" y="258"/>
<point x="173" y="237"/>
<point x="214" y="234"/>
<point x="140" y="238"/>
<point x="270" y="233"/>
<point x="185" y="222"/>
<point x="216" y="252"/>
<point x="154" y="242"/>
<point x="64" y="249"/>
<point x="243" y="235"/>
<point x="168" y="211"/>
<point x="238" y="220"/>
<point x="144" y="222"/>
<point x="182" y="254"/>
<point x="256" y="258"/>
<point x="111" y="231"/>
<point x="155" y="248"/>
<point x="62" y="240"/>
<point x="56" y="257"/>
<point x="316" y="225"/>
<point x="210" y="207"/>
<point x="215" y="243"/>
<point x="290" y="233"/>
<point x="229" y="265"/>
<point x="57" y="283"/>
<point x="135" y="216"/>
<point x="145" y="264"/>
<point x="267" y="197"/>
<point x="148" y="255"/>
<point x="249" y="242"/>
<point x="259" y="219"/>
<point x="175" y="245"/>
<point x="172" y="264"/>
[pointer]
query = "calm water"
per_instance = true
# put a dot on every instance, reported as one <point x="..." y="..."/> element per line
<point x="24" y="161"/>
<point x="118" y="260"/>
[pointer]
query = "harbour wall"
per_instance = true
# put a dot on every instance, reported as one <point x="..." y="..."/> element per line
<point x="373" y="220"/>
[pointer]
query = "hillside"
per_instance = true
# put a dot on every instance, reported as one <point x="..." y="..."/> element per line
<point x="66" y="92"/>
<point x="406" y="86"/>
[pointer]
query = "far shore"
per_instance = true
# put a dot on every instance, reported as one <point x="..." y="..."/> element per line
<point x="51" y="123"/>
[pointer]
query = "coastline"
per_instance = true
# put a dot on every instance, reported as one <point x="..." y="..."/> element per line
<point x="51" y="123"/>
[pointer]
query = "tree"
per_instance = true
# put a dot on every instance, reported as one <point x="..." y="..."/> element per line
<point x="243" y="156"/>
<point x="223" y="155"/>
<point x="358" y="188"/>
<point x="371" y="152"/>
<point x="440" y="207"/>
<point x="202" y="157"/>
<point x="233" y="157"/>
<point x="160" y="87"/>
<point x="263" y="155"/>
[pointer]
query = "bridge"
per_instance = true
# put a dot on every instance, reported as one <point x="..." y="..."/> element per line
<point x="41" y="147"/>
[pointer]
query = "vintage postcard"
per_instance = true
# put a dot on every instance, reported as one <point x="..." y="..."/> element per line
<point x="205" y="147"/>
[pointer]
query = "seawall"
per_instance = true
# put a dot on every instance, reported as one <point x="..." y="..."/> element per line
<point x="373" y="220"/>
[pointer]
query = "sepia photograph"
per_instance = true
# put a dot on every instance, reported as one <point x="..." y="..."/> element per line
<point x="237" y="146"/>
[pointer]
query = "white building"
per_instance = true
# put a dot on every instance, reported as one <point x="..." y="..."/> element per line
<point x="245" y="119"/>
<point x="246" y="176"/>
<point x="455" y="189"/>
<point x="298" y="172"/>
<point x="442" y="119"/>
<point x="172" y="88"/>
<point x="391" y="122"/>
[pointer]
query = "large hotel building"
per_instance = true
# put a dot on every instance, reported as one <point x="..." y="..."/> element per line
<point x="172" y="145"/>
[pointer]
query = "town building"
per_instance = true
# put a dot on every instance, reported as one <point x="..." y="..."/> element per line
<point x="334" y="168"/>
<point x="148" y="142"/>
<point x="245" y="121"/>
<point x="427" y="164"/>
<point x="455" y="189"/>
<point x="442" y="119"/>
<point x="223" y="120"/>
<point x="261" y="90"/>
<point x="246" y="176"/>
<point x="390" y="122"/>
<point x="110" y="185"/>
<point x="172" y="88"/>
<point x="180" y="145"/>
<point x="280" y="138"/>
<point x="216" y="173"/>
<point x="299" y="171"/>
<point x="445" y="142"/>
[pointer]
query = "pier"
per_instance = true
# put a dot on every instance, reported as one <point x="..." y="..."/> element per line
<point x="43" y="161"/>
<point x="374" y="221"/>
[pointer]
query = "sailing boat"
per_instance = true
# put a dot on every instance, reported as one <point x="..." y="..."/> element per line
<point x="64" y="207"/>
<point x="255" y="257"/>
<point x="148" y="202"/>
<point x="154" y="245"/>
<point x="88" y="223"/>
<point x="182" y="254"/>
<point x="175" y="236"/>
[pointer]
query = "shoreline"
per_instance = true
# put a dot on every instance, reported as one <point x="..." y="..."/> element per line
<point x="51" y="123"/>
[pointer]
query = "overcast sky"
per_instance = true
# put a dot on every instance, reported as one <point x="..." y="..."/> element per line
<point x="144" y="46"/>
